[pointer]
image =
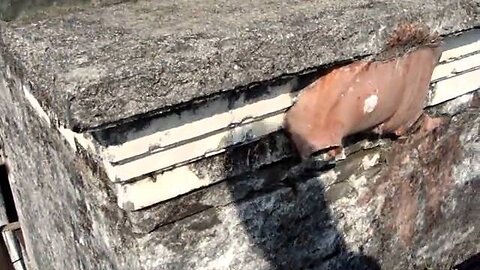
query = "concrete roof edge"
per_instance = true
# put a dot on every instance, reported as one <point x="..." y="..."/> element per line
<point x="129" y="73"/>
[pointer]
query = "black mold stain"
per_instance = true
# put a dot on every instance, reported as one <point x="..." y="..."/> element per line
<point x="210" y="219"/>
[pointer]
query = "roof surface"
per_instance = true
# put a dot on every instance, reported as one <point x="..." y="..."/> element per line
<point x="101" y="66"/>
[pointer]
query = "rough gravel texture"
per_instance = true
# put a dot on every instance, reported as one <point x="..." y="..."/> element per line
<point x="99" y="66"/>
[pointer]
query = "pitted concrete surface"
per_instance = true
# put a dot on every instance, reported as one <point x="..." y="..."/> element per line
<point x="102" y="66"/>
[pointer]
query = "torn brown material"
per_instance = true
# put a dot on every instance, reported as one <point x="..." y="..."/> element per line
<point x="382" y="96"/>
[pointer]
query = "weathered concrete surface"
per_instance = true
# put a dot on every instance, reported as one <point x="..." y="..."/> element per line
<point x="374" y="209"/>
<point x="67" y="216"/>
<point x="372" y="205"/>
<point x="361" y="214"/>
<point x="98" y="66"/>
<point x="423" y="207"/>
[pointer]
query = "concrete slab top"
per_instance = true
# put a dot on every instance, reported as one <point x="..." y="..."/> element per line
<point x="99" y="67"/>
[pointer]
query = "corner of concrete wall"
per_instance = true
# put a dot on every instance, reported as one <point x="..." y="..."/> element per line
<point x="68" y="218"/>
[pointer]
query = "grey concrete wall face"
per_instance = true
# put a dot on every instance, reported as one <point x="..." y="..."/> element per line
<point x="67" y="217"/>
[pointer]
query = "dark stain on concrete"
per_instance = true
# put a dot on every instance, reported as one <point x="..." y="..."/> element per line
<point x="209" y="220"/>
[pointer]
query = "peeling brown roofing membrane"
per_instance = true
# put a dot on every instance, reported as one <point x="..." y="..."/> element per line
<point x="382" y="96"/>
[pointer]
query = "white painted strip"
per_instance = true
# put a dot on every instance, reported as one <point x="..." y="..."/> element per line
<point x="185" y="128"/>
<point x="456" y="67"/>
<point x="464" y="44"/>
<point x="199" y="148"/>
<point x="35" y="105"/>
<point x="149" y="191"/>
<point x="456" y="86"/>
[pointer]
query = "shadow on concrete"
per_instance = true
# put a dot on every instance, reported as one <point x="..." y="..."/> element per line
<point x="6" y="195"/>
<point x="472" y="263"/>
<point x="290" y="225"/>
